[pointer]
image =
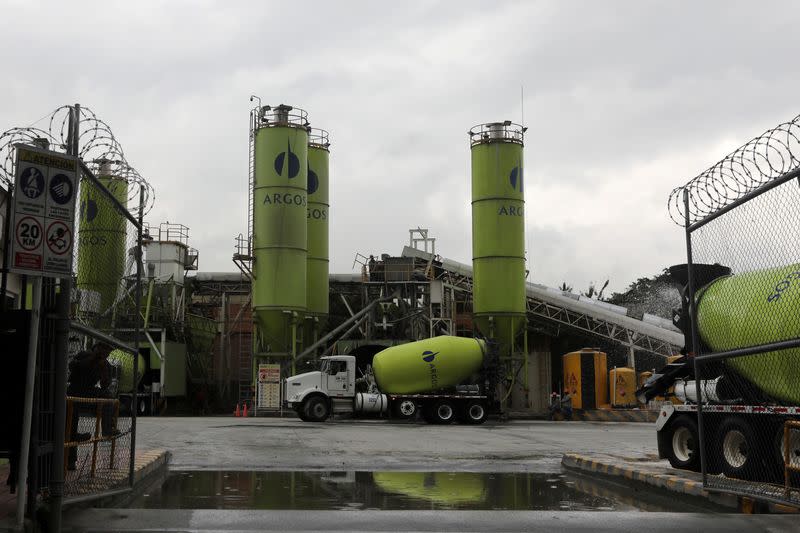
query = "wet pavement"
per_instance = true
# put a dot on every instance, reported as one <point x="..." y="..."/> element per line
<point x="227" y="443"/>
<point x="391" y="491"/>
<point x="287" y="475"/>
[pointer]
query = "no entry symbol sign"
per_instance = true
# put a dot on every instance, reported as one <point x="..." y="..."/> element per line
<point x="59" y="238"/>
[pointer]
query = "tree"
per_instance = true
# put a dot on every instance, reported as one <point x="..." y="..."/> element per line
<point x="565" y="288"/>
<point x="592" y="292"/>
<point x="657" y="295"/>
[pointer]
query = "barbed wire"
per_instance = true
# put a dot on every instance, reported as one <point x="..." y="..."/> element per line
<point x="96" y="145"/>
<point x="765" y="158"/>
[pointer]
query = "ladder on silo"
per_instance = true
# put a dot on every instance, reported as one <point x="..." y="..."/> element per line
<point x="251" y="183"/>
<point x="245" y="373"/>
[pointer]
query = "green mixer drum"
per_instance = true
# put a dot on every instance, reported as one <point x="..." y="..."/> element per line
<point x="753" y="308"/>
<point x="318" y="217"/>
<point x="427" y="365"/>
<point x="124" y="361"/>
<point x="102" y="239"/>
<point x="279" y="228"/>
<point x="448" y="488"/>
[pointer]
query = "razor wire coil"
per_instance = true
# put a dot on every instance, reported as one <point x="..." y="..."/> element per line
<point x="765" y="158"/>
<point x="96" y="145"/>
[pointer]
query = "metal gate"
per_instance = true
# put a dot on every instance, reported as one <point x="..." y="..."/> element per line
<point x="741" y="219"/>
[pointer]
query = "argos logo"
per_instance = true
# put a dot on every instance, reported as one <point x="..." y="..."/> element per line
<point x="313" y="181"/>
<point x="515" y="178"/>
<point x="428" y="356"/>
<point x="287" y="161"/>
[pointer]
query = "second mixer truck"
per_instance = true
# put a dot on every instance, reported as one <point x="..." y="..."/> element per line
<point x="443" y="378"/>
<point x="750" y="403"/>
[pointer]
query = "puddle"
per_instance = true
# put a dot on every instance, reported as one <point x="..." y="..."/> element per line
<point x="389" y="491"/>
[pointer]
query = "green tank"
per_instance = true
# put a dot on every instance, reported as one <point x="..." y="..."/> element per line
<point x="448" y="488"/>
<point x="427" y="365"/>
<point x="102" y="239"/>
<point x="498" y="231"/>
<point x="123" y="362"/>
<point x="752" y="308"/>
<point x="279" y="222"/>
<point x="318" y="216"/>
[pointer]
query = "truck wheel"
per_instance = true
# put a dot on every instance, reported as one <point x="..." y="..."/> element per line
<point x="301" y="413"/>
<point x="740" y="450"/>
<point x="405" y="409"/>
<point x="683" y="442"/>
<point x="475" y="413"/>
<point x="443" y="412"/>
<point x="316" y="409"/>
<point x="779" y="449"/>
<point x="142" y="406"/>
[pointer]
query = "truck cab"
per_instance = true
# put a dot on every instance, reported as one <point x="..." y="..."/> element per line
<point x="312" y="394"/>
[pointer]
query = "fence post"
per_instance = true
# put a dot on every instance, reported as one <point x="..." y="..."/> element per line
<point x="60" y="366"/>
<point x="138" y="300"/>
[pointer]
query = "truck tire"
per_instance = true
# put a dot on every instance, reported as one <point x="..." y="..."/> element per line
<point x="740" y="451"/>
<point x="779" y="447"/>
<point x="683" y="444"/>
<point x="301" y="413"/>
<point x="142" y="406"/>
<point x="405" y="409"/>
<point x="474" y="413"/>
<point x="442" y="412"/>
<point x="316" y="409"/>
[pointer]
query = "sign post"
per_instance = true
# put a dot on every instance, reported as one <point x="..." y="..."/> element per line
<point x="43" y="224"/>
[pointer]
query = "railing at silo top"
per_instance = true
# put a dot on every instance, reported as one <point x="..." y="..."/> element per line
<point x="506" y="131"/>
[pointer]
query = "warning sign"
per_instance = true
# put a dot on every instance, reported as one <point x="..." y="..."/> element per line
<point x="28" y="233"/>
<point x="268" y="393"/>
<point x="43" y="212"/>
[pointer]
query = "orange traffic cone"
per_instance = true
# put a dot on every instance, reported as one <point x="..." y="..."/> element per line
<point x="244" y="414"/>
<point x="236" y="412"/>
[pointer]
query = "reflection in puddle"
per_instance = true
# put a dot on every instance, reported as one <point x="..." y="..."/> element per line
<point x="387" y="490"/>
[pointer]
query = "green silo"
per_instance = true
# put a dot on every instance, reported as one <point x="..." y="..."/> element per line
<point x="102" y="241"/>
<point x="318" y="216"/>
<point x="498" y="232"/>
<point x="753" y="308"/>
<point x="280" y="137"/>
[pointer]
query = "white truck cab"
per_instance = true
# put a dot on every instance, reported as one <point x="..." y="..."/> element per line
<point x="312" y="394"/>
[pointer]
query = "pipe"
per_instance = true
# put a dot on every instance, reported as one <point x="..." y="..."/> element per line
<point x="25" y="446"/>
<point x="311" y="349"/>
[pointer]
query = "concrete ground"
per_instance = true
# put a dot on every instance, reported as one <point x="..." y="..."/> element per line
<point x="227" y="443"/>
<point x="289" y="444"/>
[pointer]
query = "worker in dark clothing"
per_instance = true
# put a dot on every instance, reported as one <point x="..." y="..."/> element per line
<point x="90" y="377"/>
<point x="562" y="406"/>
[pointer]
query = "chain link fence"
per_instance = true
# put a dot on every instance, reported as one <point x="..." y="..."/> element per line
<point x="106" y="318"/>
<point x="743" y="279"/>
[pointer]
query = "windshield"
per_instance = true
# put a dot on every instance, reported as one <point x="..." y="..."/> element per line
<point x="325" y="366"/>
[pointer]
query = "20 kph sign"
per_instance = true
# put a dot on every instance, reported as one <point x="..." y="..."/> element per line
<point x="29" y="233"/>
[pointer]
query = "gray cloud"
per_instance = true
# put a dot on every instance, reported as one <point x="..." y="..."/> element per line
<point x="624" y="101"/>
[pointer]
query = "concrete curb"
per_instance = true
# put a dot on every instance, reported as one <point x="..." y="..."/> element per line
<point x="595" y="415"/>
<point x="669" y="482"/>
<point x="148" y="462"/>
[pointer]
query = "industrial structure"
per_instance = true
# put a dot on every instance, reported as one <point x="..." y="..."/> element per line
<point x="285" y="309"/>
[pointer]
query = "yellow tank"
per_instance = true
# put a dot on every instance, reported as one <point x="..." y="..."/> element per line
<point x="622" y="387"/>
<point x="643" y="377"/>
<point x="586" y="378"/>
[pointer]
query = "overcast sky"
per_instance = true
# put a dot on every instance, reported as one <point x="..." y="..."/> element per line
<point x="623" y="101"/>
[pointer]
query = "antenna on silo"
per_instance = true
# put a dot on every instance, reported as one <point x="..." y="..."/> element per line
<point x="522" y="105"/>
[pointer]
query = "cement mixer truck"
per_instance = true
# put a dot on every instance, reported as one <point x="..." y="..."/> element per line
<point x="443" y="379"/>
<point x="749" y="402"/>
